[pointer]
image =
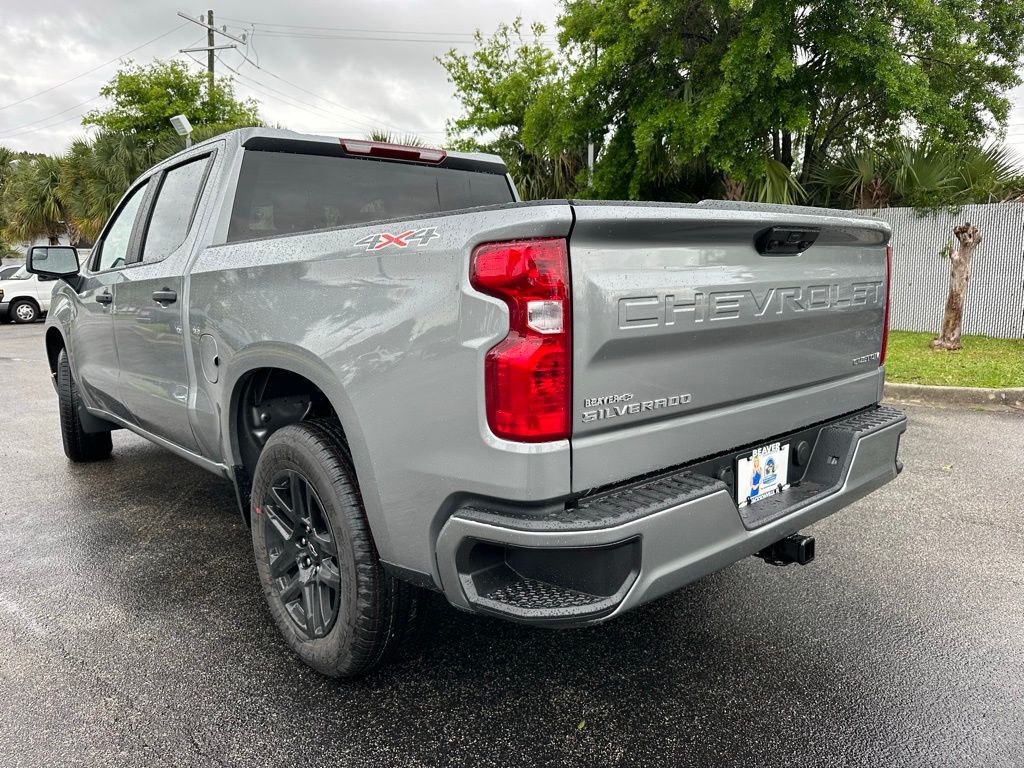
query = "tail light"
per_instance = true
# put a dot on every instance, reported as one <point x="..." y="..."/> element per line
<point x="528" y="379"/>
<point x="888" y="299"/>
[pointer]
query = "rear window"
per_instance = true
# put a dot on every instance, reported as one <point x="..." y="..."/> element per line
<point x="281" y="193"/>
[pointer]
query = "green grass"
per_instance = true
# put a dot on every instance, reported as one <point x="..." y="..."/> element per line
<point x="983" y="362"/>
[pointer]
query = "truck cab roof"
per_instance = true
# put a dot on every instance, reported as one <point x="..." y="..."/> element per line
<point x="279" y="139"/>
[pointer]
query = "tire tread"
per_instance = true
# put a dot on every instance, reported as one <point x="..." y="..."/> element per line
<point x="385" y="608"/>
<point x="79" y="446"/>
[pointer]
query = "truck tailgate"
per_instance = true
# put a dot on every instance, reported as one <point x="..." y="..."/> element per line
<point x="688" y="341"/>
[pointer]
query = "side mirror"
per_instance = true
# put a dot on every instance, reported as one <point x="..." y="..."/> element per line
<point x="52" y="261"/>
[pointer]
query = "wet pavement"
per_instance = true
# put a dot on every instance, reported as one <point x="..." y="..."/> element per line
<point x="135" y="632"/>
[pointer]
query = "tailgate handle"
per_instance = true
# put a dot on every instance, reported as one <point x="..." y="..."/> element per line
<point x="786" y="241"/>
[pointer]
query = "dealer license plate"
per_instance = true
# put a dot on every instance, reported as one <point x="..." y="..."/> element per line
<point x="762" y="474"/>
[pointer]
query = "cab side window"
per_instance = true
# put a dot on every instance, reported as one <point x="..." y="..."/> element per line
<point x="114" y="247"/>
<point x="174" y="209"/>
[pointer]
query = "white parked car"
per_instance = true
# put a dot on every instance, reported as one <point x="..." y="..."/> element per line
<point x="24" y="298"/>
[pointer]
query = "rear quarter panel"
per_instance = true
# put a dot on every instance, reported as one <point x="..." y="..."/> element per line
<point x="396" y="339"/>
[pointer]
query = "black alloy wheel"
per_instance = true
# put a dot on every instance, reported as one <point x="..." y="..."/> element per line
<point x="302" y="553"/>
<point x="333" y="601"/>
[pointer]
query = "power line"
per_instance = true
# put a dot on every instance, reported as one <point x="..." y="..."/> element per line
<point x="319" y="111"/>
<point x="265" y="91"/>
<point x="268" y="26"/>
<point x="364" y="38"/>
<point x="90" y="71"/>
<point x="7" y="133"/>
<point x="213" y="55"/>
<point x="10" y="133"/>
<point x="45" y="127"/>
<point x="375" y="122"/>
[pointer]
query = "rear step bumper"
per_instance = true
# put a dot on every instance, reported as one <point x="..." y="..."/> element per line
<point x="626" y="546"/>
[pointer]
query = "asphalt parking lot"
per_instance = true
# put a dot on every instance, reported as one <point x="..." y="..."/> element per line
<point x="135" y="632"/>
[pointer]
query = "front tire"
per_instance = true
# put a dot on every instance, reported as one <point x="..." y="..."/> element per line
<point x="23" y="311"/>
<point x="79" y="445"/>
<point x="336" y="607"/>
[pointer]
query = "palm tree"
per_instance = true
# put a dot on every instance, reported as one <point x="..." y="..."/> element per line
<point x="33" y="205"/>
<point x="95" y="174"/>
<point x="387" y="137"/>
<point x="777" y="184"/>
<point x="919" y="174"/>
<point x="990" y="174"/>
<point x="7" y="165"/>
<point x="74" y="190"/>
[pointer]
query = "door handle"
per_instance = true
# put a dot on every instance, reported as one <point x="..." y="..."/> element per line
<point x="165" y="296"/>
<point x="104" y="298"/>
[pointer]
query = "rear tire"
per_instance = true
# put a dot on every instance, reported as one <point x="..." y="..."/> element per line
<point x="23" y="311"/>
<point x="79" y="446"/>
<point x="337" y="608"/>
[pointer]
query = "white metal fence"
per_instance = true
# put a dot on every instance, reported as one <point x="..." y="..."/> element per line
<point x="995" y="296"/>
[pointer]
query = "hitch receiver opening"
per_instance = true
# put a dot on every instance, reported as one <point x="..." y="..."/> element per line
<point x="792" y="549"/>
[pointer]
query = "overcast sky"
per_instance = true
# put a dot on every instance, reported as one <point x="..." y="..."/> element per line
<point x="356" y="65"/>
<point x="369" y="63"/>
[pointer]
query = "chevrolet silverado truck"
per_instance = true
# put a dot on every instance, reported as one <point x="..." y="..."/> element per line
<point x="551" y="411"/>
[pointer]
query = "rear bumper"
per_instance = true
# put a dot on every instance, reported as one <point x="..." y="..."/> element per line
<point x="626" y="546"/>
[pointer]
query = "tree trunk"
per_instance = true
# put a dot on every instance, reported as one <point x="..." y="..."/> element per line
<point x="74" y="233"/>
<point x="807" y="164"/>
<point x="787" y="150"/>
<point x="968" y="238"/>
<point x="733" y="189"/>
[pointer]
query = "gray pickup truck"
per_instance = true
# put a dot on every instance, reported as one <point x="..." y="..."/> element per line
<point x="551" y="412"/>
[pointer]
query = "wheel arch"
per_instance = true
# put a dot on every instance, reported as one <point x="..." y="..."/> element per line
<point x="24" y="297"/>
<point x="55" y="342"/>
<point x="286" y="372"/>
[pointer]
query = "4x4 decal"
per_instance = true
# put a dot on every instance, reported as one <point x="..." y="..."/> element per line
<point x="414" y="237"/>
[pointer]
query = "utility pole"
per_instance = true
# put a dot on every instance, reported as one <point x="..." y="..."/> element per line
<point x="209" y="54"/>
<point x="211" y="44"/>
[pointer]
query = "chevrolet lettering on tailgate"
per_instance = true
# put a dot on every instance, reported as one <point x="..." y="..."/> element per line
<point x="702" y="306"/>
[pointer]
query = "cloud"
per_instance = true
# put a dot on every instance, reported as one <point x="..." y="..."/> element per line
<point x="358" y="65"/>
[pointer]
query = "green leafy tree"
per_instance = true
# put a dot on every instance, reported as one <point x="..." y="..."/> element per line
<point x="507" y="87"/>
<point x="146" y="97"/>
<point x="743" y="85"/>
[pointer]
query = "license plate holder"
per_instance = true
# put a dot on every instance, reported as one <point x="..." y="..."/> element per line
<point x="762" y="473"/>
